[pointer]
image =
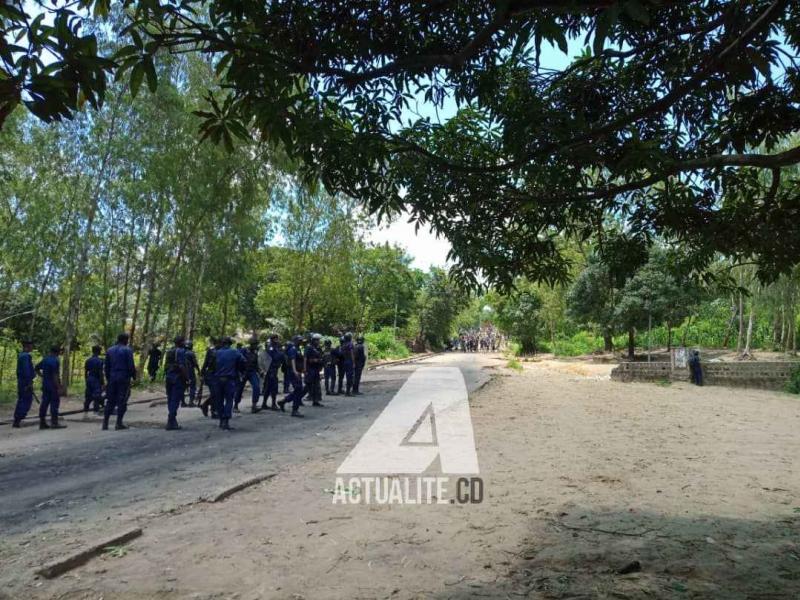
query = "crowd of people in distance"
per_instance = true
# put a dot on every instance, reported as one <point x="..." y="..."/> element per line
<point x="483" y="339"/>
<point x="304" y="364"/>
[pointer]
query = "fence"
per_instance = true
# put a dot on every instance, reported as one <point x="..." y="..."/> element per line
<point x="765" y="375"/>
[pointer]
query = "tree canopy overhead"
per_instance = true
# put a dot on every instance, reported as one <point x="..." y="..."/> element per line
<point x="673" y="116"/>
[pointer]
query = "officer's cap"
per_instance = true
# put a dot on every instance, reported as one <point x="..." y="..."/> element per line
<point x="179" y="339"/>
<point x="253" y="341"/>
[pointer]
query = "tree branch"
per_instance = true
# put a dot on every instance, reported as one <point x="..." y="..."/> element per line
<point x="714" y="161"/>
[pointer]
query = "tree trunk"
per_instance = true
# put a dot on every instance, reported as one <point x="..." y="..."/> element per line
<point x="198" y="293"/>
<point x="748" y="339"/>
<point x="224" y="314"/>
<point x="76" y="295"/>
<point x="631" y="343"/>
<point x="726" y="340"/>
<point x="147" y="333"/>
<point x="686" y="331"/>
<point x="608" y="341"/>
<point x="740" y="339"/>
<point x="128" y="256"/>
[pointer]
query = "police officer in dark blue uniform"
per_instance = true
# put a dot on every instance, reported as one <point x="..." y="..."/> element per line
<point x="696" y="369"/>
<point x="177" y="376"/>
<point x="153" y="361"/>
<point x="294" y="371"/>
<point x="277" y="361"/>
<point x="120" y="370"/>
<point x="250" y="374"/>
<point x="348" y="363"/>
<point x="193" y="369"/>
<point x="93" y="370"/>
<point x="360" y="361"/>
<point x="207" y="378"/>
<point x="313" y="366"/>
<point x="229" y="364"/>
<point x="339" y="365"/>
<point x="329" y="365"/>
<point x="49" y="369"/>
<point x="25" y="376"/>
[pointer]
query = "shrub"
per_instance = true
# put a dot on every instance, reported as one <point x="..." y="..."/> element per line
<point x="514" y="348"/>
<point x="793" y="385"/>
<point x="514" y="364"/>
<point x="384" y="345"/>
<point x="582" y="342"/>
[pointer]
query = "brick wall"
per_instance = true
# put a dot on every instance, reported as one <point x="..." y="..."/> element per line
<point x="766" y="375"/>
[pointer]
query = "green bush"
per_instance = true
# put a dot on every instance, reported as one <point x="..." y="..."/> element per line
<point x="793" y="385"/>
<point x="581" y="343"/>
<point x="383" y="345"/>
<point x="514" y="364"/>
<point x="514" y="348"/>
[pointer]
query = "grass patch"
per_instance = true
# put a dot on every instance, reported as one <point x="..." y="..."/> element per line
<point x="664" y="382"/>
<point x="793" y="385"/>
<point x="514" y="364"/>
<point x="115" y="551"/>
<point x="383" y="345"/>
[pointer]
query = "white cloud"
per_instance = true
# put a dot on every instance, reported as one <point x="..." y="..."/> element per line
<point x="423" y="246"/>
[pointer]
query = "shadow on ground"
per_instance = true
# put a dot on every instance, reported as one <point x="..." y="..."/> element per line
<point x="582" y="554"/>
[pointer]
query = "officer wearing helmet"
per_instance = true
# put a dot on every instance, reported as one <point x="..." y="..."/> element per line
<point x="177" y="375"/>
<point x="329" y="365"/>
<point x="348" y="362"/>
<point x="313" y="356"/>
<point x="277" y="360"/>
<point x="294" y="370"/>
<point x="207" y="374"/>
<point x="250" y="375"/>
<point x="193" y="367"/>
<point x="229" y="364"/>
<point x="360" y="361"/>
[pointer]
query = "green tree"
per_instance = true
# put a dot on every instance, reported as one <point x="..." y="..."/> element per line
<point x="519" y="314"/>
<point x="592" y="300"/>
<point x="440" y="301"/>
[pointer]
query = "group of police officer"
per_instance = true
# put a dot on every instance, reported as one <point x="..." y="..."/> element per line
<point x="226" y="371"/>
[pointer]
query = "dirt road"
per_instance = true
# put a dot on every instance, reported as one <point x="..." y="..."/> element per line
<point x="696" y="492"/>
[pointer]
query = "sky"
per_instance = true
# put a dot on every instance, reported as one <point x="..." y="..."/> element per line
<point x="426" y="250"/>
<point x="423" y="246"/>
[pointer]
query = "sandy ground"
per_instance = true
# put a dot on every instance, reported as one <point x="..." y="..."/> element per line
<point x="583" y="477"/>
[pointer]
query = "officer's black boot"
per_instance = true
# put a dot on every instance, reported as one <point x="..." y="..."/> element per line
<point x="274" y="405"/>
<point x="43" y="423"/>
<point x="17" y="424"/>
<point x="281" y="404"/>
<point x="204" y="408"/>
<point x="296" y="413"/>
<point x="254" y="409"/>
<point x="105" y="422"/>
<point x="225" y="424"/>
<point x="55" y="425"/>
<point x="120" y="426"/>
<point x="172" y="424"/>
